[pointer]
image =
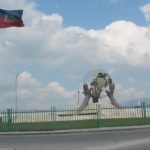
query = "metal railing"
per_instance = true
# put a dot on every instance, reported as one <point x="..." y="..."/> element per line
<point x="56" y="119"/>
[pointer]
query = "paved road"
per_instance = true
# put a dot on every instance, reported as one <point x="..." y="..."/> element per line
<point x="103" y="140"/>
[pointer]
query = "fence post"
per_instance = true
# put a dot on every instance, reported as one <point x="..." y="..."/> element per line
<point x="143" y="111"/>
<point x="53" y="113"/>
<point x="9" y="117"/>
<point x="1" y="116"/>
<point x="98" y="115"/>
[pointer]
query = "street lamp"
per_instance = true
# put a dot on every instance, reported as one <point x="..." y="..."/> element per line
<point x="78" y="97"/>
<point x="16" y="89"/>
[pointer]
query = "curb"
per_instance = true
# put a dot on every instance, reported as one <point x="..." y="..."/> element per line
<point x="7" y="149"/>
<point x="73" y="131"/>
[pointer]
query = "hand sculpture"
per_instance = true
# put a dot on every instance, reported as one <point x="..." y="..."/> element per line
<point x="94" y="93"/>
<point x="110" y="95"/>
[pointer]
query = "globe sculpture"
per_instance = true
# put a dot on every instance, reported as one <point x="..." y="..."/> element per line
<point x="98" y="81"/>
<point x="97" y="84"/>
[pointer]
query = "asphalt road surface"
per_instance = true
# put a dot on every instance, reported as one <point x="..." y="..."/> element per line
<point x="102" y="140"/>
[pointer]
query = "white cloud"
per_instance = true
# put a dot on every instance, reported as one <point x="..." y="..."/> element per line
<point x="131" y="93"/>
<point x="56" y="46"/>
<point x="25" y="79"/>
<point x="146" y="10"/>
<point x="11" y="4"/>
<point x="46" y="42"/>
<point x="124" y="43"/>
<point x="52" y="94"/>
<point x="33" y="93"/>
<point x="127" y="96"/>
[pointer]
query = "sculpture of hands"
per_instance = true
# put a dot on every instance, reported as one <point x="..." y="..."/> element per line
<point x="110" y="94"/>
<point x="95" y="92"/>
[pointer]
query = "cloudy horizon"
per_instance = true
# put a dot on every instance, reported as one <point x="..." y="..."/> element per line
<point x="52" y="55"/>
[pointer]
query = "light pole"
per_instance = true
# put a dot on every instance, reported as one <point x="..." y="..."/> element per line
<point x="16" y="90"/>
<point x="78" y="97"/>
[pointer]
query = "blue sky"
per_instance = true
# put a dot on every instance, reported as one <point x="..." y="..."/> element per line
<point x="94" y="14"/>
<point x="63" y="40"/>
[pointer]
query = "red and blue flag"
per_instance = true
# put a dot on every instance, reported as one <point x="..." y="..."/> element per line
<point x="11" y="18"/>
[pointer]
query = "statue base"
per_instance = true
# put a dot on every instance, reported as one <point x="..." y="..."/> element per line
<point x="90" y="109"/>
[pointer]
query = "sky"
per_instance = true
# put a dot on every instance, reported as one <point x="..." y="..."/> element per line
<point x="63" y="40"/>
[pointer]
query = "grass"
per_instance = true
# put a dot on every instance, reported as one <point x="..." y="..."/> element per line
<point x="77" y="124"/>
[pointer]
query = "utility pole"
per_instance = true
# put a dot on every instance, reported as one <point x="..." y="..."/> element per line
<point x="16" y="90"/>
<point x="78" y="97"/>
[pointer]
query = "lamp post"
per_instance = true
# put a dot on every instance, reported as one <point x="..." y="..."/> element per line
<point x="78" y="97"/>
<point x="16" y="90"/>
